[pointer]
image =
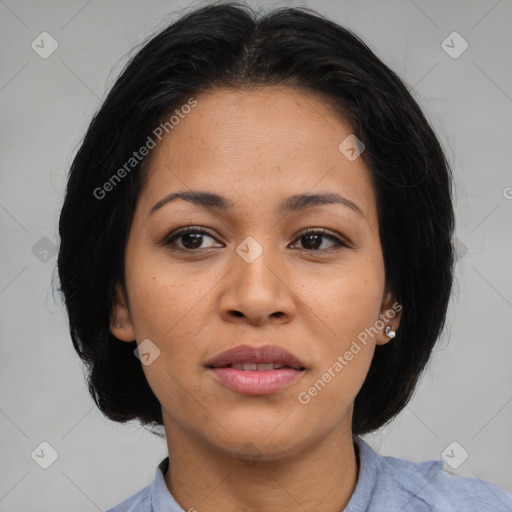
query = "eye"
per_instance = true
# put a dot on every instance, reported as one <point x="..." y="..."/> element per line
<point x="314" y="237"/>
<point x="190" y="237"/>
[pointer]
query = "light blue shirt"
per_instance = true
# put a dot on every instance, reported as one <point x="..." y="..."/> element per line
<point x="384" y="484"/>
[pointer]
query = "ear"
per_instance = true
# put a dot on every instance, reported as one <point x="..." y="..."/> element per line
<point x="390" y="314"/>
<point x="121" y="325"/>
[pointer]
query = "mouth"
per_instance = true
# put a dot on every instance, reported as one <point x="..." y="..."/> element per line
<point x="256" y="370"/>
<point x="260" y="367"/>
<point x="262" y="358"/>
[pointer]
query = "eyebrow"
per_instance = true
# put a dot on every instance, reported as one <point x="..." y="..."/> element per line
<point x="295" y="203"/>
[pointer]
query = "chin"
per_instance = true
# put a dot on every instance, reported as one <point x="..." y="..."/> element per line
<point x="260" y="441"/>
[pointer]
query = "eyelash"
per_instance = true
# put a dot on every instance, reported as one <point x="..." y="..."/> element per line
<point x="169" y="240"/>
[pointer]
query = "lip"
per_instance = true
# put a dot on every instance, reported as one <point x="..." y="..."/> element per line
<point x="261" y="354"/>
<point x="256" y="382"/>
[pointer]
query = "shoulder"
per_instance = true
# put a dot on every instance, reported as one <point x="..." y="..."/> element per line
<point x="426" y="486"/>
<point x="153" y="498"/>
<point x="139" y="502"/>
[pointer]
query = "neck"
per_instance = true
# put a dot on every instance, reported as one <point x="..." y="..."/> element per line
<point x="205" y="478"/>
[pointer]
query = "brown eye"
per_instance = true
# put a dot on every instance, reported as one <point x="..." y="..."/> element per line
<point x="313" y="239"/>
<point x="190" y="239"/>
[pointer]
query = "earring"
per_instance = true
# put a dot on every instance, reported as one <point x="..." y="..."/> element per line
<point x="388" y="331"/>
<point x="119" y="325"/>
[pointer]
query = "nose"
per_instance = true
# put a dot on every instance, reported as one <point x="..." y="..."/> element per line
<point x="257" y="292"/>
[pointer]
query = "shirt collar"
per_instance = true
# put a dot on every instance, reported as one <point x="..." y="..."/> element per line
<point x="161" y="499"/>
<point x="369" y="465"/>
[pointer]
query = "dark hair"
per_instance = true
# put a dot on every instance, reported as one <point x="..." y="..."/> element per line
<point x="227" y="45"/>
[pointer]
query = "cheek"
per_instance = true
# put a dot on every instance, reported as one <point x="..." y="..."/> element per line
<point x="167" y="306"/>
<point x="349" y="299"/>
<point x="350" y="307"/>
<point x="164" y="297"/>
<point x="355" y="304"/>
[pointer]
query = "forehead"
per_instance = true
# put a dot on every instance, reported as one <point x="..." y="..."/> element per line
<point x="261" y="144"/>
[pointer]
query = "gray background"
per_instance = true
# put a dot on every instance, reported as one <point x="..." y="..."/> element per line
<point x="46" y="105"/>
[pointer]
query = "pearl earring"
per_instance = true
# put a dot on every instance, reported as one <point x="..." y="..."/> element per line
<point x="388" y="331"/>
<point x="119" y="325"/>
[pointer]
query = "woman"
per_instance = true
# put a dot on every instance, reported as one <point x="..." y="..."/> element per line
<point x="256" y="255"/>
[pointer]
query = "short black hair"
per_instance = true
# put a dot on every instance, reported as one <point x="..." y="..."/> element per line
<point x="228" y="45"/>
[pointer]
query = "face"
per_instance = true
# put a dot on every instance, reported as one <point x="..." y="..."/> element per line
<point x="258" y="275"/>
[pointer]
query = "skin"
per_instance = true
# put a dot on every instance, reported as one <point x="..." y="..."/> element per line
<point x="256" y="147"/>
